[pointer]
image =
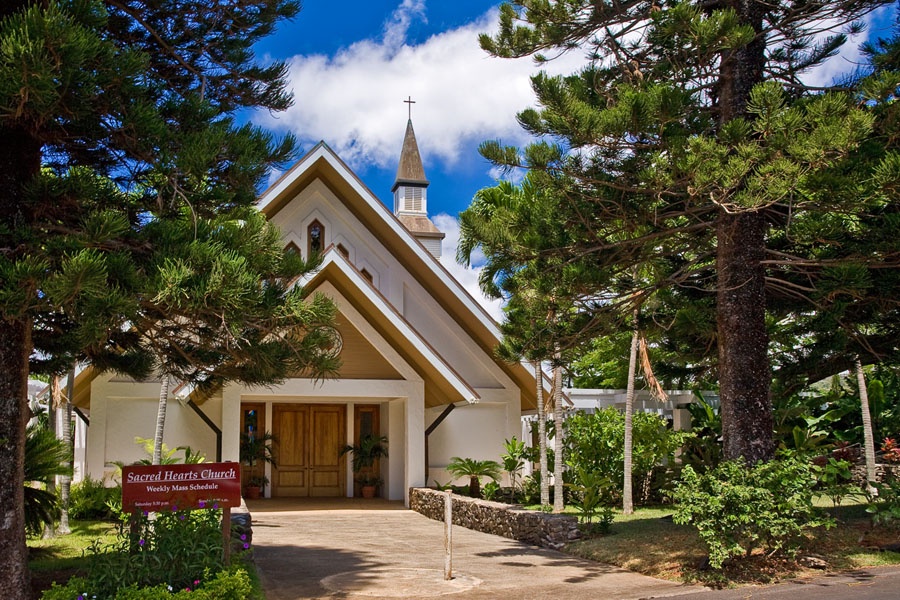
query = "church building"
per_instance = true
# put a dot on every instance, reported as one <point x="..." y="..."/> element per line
<point x="417" y="353"/>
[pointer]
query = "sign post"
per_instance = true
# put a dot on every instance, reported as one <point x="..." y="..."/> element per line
<point x="157" y="488"/>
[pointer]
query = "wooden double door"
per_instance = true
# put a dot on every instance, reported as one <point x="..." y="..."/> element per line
<point x="309" y="441"/>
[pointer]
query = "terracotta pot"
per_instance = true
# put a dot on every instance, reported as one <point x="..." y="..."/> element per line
<point x="252" y="492"/>
<point x="368" y="491"/>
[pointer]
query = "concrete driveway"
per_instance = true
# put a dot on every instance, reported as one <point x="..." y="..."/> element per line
<point x="349" y="548"/>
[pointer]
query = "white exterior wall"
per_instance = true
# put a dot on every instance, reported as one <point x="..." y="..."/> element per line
<point x="122" y="410"/>
<point x="474" y="431"/>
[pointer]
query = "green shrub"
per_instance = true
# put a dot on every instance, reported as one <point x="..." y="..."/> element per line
<point x="490" y="490"/>
<point x="231" y="584"/>
<point x="885" y="507"/>
<point x="531" y="489"/>
<point x="173" y="548"/>
<point x="736" y="508"/>
<point x="90" y="500"/>
<point x="596" y="442"/>
<point x="836" y="480"/>
<point x="591" y="495"/>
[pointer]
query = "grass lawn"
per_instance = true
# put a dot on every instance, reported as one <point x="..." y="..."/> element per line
<point x="60" y="558"/>
<point x="649" y="542"/>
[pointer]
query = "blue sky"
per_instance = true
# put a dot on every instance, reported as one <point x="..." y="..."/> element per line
<point x="351" y="76"/>
<point x="353" y="63"/>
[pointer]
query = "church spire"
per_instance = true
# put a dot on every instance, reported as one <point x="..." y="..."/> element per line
<point x="410" y="192"/>
<point x="410" y="171"/>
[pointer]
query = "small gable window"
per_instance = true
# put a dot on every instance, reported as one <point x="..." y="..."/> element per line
<point x="292" y="247"/>
<point x="367" y="275"/>
<point x="315" y="238"/>
<point x="343" y="250"/>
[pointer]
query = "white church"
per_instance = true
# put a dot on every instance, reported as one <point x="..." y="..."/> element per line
<point x="417" y="353"/>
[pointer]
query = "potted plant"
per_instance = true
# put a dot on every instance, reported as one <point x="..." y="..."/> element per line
<point x="256" y="485"/>
<point x="255" y="451"/>
<point x="368" y="485"/>
<point x="369" y="449"/>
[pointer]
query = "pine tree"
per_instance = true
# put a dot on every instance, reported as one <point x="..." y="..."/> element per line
<point x="118" y="127"/>
<point x="689" y="139"/>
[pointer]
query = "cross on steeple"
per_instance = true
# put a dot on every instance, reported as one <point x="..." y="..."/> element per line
<point x="409" y="101"/>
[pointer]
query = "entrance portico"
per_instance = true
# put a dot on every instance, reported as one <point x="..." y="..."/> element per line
<point x="313" y="422"/>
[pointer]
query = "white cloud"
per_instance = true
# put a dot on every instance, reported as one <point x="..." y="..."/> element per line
<point x="353" y="99"/>
<point x="850" y="58"/>
<point x="466" y="276"/>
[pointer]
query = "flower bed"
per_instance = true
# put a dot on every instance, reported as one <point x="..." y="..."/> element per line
<point x="540" y="529"/>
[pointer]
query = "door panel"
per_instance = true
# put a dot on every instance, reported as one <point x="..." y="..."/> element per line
<point x="290" y="424"/>
<point x="310" y="437"/>
<point x="326" y="466"/>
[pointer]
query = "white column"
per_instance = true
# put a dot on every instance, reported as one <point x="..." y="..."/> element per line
<point x="96" y="435"/>
<point x="415" y="443"/>
<point x="231" y="422"/>
<point x="351" y="435"/>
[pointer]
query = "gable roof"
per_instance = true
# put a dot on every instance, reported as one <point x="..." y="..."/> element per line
<point x="322" y="163"/>
<point x="445" y="385"/>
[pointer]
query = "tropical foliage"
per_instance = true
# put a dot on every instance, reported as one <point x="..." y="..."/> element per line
<point x="474" y="470"/>
<point x="45" y="458"/>
<point x="737" y="508"/>
<point x="126" y="193"/>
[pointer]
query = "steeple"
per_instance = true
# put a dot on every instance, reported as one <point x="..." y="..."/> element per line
<point x="410" y="184"/>
<point x="410" y="193"/>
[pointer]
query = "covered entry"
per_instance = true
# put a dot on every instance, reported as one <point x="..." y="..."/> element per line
<point x="309" y="440"/>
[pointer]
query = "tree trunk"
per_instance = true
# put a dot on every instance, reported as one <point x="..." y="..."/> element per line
<point x="744" y="372"/>
<point x="627" y="500"/>
<point x="868" y="435"/>
<point x="55" y="424"/>
<point x="15" y="347"/>
<point x="542" y="435"/>
<point x="744" y="375"/>
<point x="558" y="499"/>
<point x="65" y="428"/>
<point x="160" y="419"/>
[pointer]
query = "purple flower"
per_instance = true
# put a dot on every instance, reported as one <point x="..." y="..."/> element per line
<point x="174" y="509"/>
<point x="216" y="505"/>
<point x="181" y="517"/>
<point x="202" y="504"/>
<point x="141" y="543"/>
<point x="246" y="546"/>
<point x="243" y="537"/>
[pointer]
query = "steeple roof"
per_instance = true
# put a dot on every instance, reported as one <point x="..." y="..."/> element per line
<point x="410" y="169"/>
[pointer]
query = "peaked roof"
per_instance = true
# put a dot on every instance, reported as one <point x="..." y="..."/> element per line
<point x="322" y="163"/>
<point x="410" y="169"/>
<point x="447" y="386"/>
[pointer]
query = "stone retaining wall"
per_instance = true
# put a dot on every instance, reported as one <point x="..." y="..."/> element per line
<point x="540" y="529"/>
<point x="883" y="472"/>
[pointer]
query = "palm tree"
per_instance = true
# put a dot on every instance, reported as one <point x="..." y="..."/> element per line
<point x="45" y="458"/>
<point x="868" y="436"/>
<point x="474" y="470"/>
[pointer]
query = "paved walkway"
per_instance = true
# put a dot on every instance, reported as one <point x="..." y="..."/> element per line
<point x="376" y="549"/>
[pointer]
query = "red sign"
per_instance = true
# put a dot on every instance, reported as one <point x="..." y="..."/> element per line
<point x="180" y="487"/>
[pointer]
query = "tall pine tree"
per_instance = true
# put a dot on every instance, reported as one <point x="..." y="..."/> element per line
<point x="690" y="139"/>
<point x="117" y="121"/>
